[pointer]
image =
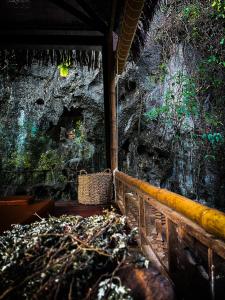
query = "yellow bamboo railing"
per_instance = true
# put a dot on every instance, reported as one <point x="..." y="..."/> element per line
<point x="212" y="220"/>
<point x="181" y="236"/>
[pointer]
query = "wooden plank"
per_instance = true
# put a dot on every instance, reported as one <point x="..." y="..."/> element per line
<point x="211" y="268"/>
<point x="146" y="248"/>
<point x="121" y="207"/>
<point x="24" y="214"/>
<point x="50" y="32"/>
<point x="212" y="220"/>
<point x="113" y="121"/>
<point x="190" y="227"/>
<point x="78" y="14"/>
<point x="110" y="97"/>
<point x="194" y="258"/>
<point x="32" y="41"/>
<point x="188" y="264"/>
<point x="92" y="14"/>
<point x="218" y="277"/>
<point x="154" y="255"/>
<point x="105" y="54"/>
<point x="113" y="96"/>
<point x="218" y="247"/>
<point x="132" y="199"/>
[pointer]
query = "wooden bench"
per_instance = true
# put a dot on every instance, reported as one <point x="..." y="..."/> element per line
<point x="23" y="214"/>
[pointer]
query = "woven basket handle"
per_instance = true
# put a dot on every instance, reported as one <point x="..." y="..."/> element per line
<point x="82" y="172"/>
<point x="107" y="171"/>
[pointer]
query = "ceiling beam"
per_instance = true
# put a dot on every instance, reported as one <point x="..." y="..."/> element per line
<point x="49" y="32"/>
<point x="44" y="41"/>
<point x="77" y="13"/>
<point x="91" y="12"/>
<point x="132" y="13"/>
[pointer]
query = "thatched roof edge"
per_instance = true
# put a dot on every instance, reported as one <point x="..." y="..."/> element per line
<point x="92" y="59"/>
<point x="149" y="9"/>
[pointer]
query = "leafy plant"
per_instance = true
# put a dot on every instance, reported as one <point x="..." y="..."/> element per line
<point x="155" y="112"/>
<point x="213" y="138"/>
<point x="180" y="103"/>
<point x="64" y="69"/>
<point x="189" y="95"/>
<point x="20" y="160"/>
<point x="113" y="290"/>
<point x="163" y="71"/>
<point x="213" y="120"/>
<point x="216" y="60"/>
<point x="48" y="160"/>
<point x="191" y="12"/>
<point x="79" y="131"/>
<point x="219" y="6"/>
<point x="210" y="157"/>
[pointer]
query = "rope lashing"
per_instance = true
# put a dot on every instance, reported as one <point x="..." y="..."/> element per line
<point x="132" y="12"/>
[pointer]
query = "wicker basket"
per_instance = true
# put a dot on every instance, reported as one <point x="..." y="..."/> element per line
<point x="95" y="188"/>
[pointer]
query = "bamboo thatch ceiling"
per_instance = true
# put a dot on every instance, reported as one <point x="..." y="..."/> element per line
<point x="67" y="24"/>
<point x="53" y="29"/>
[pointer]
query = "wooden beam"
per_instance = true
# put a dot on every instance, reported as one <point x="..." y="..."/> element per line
<point x="132" y="12"/>
<point x="92" y="14"/>
<point x="113" y="102"/>
<point x="113" y="121"/>
<point x="46" y="41"/>
<point x="110" y="96"/>
<point x="77" y="13"/>
<point x="49" y="31"/>
<point x="105" y="56"/>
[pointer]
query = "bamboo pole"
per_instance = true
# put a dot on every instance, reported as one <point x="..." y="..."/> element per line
<point x="114" y="125"/>
<point x="112" y="87"/>
<point x="212" y="220"/>
<point x="132" y="12"/>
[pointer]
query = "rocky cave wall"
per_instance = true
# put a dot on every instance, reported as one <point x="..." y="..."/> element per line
<point x="51" y="126"/>
<point x="171" y="104"/>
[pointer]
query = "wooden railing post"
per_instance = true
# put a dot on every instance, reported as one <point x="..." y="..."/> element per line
<point x="141" y="219"/>
<point x="125" y="205"/>
<point x="177" y="243"/>
<point x="211" y="269"/>
<point x="117" y="190"/>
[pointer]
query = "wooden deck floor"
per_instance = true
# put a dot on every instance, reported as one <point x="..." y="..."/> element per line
<point x="73" y="208"/>
<point x="25" y="214"/>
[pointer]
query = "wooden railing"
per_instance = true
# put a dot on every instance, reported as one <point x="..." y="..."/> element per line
<point x="184" y="238"/>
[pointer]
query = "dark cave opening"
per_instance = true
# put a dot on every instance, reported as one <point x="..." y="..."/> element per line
<point x="141" y="149"/>
<point x="126" y="145"/>
<point x="66" y="122"/>
<point x="131" y="85"/>
<point x="40" y="101"/>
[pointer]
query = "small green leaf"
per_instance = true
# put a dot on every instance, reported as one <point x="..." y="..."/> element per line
<point x="212" y="157"/>
<point x="64" y="69"/>
<point x="210" y="137"/>
<point x="222" y="41"/>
